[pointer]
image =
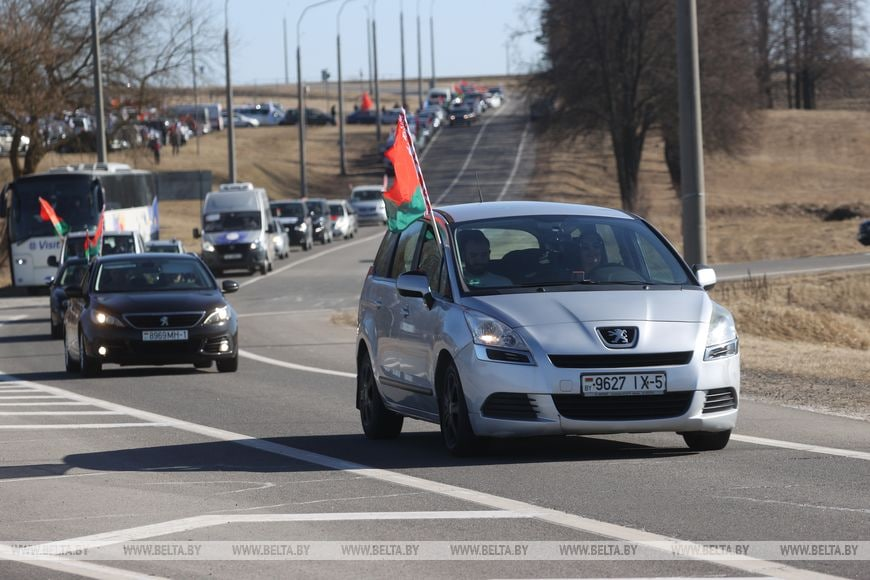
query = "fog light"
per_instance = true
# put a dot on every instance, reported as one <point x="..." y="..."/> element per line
<point x="225" y="346"/>
<point x="102" y="350"/>
<point x="20" y="261"/>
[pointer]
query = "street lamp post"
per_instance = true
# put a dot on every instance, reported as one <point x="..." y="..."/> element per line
<point x="231" y="136"/>
<point x="341" y="145"/>
<point x="303" y="182"/>
<point x="375" y="60"/>
<point x="419" y="60"/>
<point x="402" y="49"/>
<point x="196" y="124"/>
<point x="432" y="43"/>
<point x="98" y="85"/>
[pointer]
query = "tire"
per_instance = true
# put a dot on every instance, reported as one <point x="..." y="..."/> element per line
<point x="264" y="268"/>
<point x="378" y="422"/>
<point x="202" y="365"/>
<point x="707" y="441"/>
<point x="456" y="431"/>
<point x="228" y="365"/>
<point x="89" y="366"/>
<point x="71" y="364"/>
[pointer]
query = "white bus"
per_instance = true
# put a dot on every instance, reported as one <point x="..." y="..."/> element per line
<point x="78" y="194"/>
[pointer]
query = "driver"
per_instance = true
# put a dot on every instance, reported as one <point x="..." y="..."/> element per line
<point x="589" y="254"/>
<point x="474" y="251"/>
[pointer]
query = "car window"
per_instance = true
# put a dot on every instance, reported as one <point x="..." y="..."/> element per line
<point x="403" y="259"/>
<point x="430" y="262"/>
<point x="384" y="257"/>
<point x="72" y="275"/>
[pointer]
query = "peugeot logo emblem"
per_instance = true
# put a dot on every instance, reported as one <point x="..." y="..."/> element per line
<point x="618" y="336"/>
<point x="164" y="321"/>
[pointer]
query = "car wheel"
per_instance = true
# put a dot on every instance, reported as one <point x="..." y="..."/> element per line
<point x="202" y="365"/>
<point x="228" y="365"/>
<point x="89" y="366"/>
<point x="56" y="330"/>
<point x="264" y="268"/>
<point x="271" y="266"/>
<point x="707" y="441"/>
<point x="71" y="364"/>
<point x="456" y="430"/>
<point x="378" y="422"/>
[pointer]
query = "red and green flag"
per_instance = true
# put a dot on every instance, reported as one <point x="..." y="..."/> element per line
<point x="47" y="214"/>
<point x="408" y="199"/>
<point x="93" y="244"/>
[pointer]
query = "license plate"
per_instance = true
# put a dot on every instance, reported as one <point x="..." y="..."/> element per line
<point x="232" y="256"/>
<point x="156" y="335"/>
<point x="599" y="385"/>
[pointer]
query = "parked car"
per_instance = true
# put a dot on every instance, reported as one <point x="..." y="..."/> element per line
<point x="149" y="309"/>
<point x="344" y="222"/>
<point x="68" y="273"/>
<point x="368" y="203"/>
<point x="516" y="332"/>
<point x="360" y="117"/>
<point x="240" y="120"/>
<point x="172" y="246"/>
<point x="280" y="239"/>
<point x="312" y="117"/>
<point x="295" y="218"/>
<point x="864" y="233"/>
<point x="320" y="221"/>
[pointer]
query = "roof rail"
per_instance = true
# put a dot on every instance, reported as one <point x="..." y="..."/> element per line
<point x="245" y="186"/>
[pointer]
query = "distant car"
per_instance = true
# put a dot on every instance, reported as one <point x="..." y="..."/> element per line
<point x="150" y="309"/>
<point x="172" y="246"/>
<point x="461" y="115"/>
<point x="344" y="222"/>
<point x="864" y="233"/>
<point x="368" y="203"/>
<point x="281" y="240"/>
<point x="390" y="116"/>
<point x="69" y="273"/>
<point x="320" y="221"/>
<point x="510" y="328"/>
<point x="240" y="120"/>
<point x="360" y="117"/>
<point x="312" y="117"/>
<point x="294" y="217"/>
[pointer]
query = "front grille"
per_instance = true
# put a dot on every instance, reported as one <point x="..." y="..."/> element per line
<point x="516" y="406"/>
<point x="720" y="400"/>
<point x="623" y="408"/>
<point x="243" y="249"/>
<point x="616" y="361"/>
<point x="164" y="320"/>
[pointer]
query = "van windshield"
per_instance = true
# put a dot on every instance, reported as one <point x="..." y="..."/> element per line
<point x="366" y="195"/>
<point x="239" y="220"/>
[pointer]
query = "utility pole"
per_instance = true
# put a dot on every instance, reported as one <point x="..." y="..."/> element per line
<point x="402" y="51"/>
<point x="342" y="153"/>
<point x="98" y="84"/>
<point x="196" y="122"/>
<point x="377" y="89"/>
<point x="231" y="135"/>
<point x="286" y="59"/>
<point x="419" y="60"/>
<point x="691" y="140"/>
<point x="432" y="43"/>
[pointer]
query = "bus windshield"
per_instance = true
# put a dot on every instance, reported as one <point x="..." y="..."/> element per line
<point x="71" y="199"/>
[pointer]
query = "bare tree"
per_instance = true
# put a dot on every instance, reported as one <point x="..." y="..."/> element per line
<point x="46" y="64"/>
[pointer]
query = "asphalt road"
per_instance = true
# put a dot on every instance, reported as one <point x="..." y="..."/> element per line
<point x="198" y="466"/>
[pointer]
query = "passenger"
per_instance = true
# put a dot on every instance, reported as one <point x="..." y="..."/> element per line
<point x="589" y="254"/>
<point x="474" y="250"/>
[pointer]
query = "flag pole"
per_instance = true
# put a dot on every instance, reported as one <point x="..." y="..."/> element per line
<point x="404" y="118"/>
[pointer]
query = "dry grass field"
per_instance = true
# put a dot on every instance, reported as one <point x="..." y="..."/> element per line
<point x="804" y="341"/>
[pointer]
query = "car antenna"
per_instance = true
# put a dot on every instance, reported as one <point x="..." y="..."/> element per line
<point x="477" y="179"/>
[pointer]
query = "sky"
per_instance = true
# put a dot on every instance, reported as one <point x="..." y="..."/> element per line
<point x="472" y="38"/>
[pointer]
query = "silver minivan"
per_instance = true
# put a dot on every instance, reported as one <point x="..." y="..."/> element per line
<point x="535" y="318"/>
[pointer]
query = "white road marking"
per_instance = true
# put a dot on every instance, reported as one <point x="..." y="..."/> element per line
<point x="19" y="413"/>
<point x="17" y="479"/>
<point x="4" y="398"/>
<point x="80" y="568"/>
<point x="512" y="506"/>
<point x="795" y="504"/>
<point x="850" y="453"/>
<point x="294" y="366"/>
<point x="85" y="426"/>
<point x="301" y="261"/>
<point x="516" y="162"/>
<point x="468" y="158"/>
<point x="40" y="404"/>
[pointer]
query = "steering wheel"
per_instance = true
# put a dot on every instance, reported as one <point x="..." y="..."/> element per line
<point x="610" y="272"/>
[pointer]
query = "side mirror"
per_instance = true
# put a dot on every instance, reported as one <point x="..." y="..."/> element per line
<point x="73" y="291"/>
<point x="415" y="285"/>
<point x="229" y="286"/>
<point x="52" y="261"/>
<point x="196" y="234"/>
<point x="706" y="276"/>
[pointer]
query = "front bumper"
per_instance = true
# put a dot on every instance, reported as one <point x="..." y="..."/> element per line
<point x="556" y="406"/>
<point x="235" y="257"/>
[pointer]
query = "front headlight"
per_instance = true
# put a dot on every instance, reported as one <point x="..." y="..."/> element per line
<point x="104" y="319"/>
<point x="219" y="316"/>
<point x="255" y="245"/>
<point x="207" y="247"/>
<point x="722" y="336"/>
<point x="487" y="331"/>
<point x="301" y="227"/>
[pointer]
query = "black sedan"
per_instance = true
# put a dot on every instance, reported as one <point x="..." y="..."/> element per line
<point x="69" y="273"/>
<point x="864" y="233"/>
<point x="360" y="117"/>
<point x="150" y="309"/>
<point x="461" y="115"/>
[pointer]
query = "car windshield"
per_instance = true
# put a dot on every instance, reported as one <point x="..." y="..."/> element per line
<point x="234" y="220"/>
<point x="335" y="210"/>
<point x="170" y="248"/>
<point x="366" y="195"/>
<point x="152" y="275"/>
<point x="531" y="252"/>
<point x="70" y="198"/>
<point x="117" y="245"/>
<point x="316" y="209"/>
<point x="287" y="210"/>
<point x="72" y="274"/>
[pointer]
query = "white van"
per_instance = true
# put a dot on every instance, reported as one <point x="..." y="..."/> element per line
<point x="440" y="96"/>
<point x="237" y="229"/>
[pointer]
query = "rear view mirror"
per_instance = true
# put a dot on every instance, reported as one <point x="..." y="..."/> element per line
<point x="229" y="286"/>
<point x="415" y="285"/>
<point x="706" y="276"/>
<point x="196" y="234"/>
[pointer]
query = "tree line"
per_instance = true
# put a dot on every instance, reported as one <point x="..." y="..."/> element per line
<point x="610" y="70"/>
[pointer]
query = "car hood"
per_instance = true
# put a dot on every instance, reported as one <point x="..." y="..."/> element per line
<point x="232" y="237"/>
<point x="160" y="302"/>
<point x="566" y="321"/>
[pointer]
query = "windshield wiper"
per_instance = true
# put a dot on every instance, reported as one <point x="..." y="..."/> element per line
<point x="561" y="283"/>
